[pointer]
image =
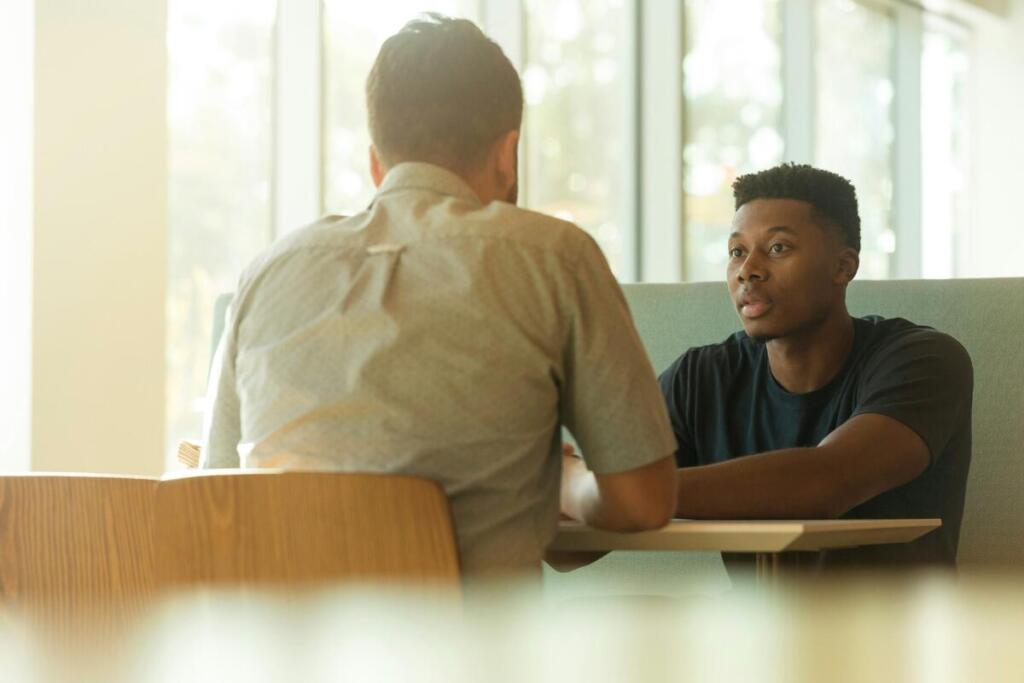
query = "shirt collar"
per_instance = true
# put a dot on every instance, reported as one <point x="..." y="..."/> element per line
<point x="417" y="175"/>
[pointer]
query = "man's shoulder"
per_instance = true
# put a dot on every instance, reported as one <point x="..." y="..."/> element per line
<point x="519" y="216"/>
<point x="533" y="229"/>
<point x="509" y="227"/>
<point x="892" y="343"/>
<point x="329" y="231"/>
<point x="901" y="336"/>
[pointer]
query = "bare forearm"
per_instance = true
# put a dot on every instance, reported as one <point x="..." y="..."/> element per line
<point x="633" y="500"/>
<point x="862" y="458"/>
<point x="796" y="483"/>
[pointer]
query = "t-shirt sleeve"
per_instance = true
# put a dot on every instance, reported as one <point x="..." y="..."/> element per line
<point x="609" y="399"/>
<point x="675" y="384"/>
<point x="925" y="380"/>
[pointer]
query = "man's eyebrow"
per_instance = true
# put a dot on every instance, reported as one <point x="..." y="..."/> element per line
<point x="771" y="231"/>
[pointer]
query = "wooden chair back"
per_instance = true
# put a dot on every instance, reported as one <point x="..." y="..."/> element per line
<point x="73" y="541"/>
<point x="295" y="528"/>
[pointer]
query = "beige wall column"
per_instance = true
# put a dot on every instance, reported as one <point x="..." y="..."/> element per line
<point x="100" y="235"/>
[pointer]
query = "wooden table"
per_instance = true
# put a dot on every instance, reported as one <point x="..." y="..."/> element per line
<point x="765" y="538"/>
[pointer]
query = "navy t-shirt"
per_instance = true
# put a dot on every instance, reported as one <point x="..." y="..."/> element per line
<point x="724" y="403"/>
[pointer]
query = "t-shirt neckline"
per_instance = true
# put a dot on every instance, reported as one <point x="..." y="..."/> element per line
<point x="820" y="394"/>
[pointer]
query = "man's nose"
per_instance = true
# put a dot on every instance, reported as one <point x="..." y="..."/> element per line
<point x="752" y="268"/>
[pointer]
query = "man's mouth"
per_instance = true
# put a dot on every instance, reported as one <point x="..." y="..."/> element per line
<point x="753" y="306"/>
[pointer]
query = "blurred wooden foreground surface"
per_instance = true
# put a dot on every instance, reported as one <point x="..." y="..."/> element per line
<point x="77" y="542"/>
<point x="866" y="628"/>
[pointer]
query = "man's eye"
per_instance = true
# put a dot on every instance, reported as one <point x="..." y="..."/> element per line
<point x="735" y="252"/>
<point x="778" y="248"/>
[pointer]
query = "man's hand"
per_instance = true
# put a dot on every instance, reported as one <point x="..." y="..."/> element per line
<point x="573" y="470"/>
<point x="572" y="467"/>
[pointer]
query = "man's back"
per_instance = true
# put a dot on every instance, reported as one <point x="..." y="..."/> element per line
<point x="434" y="336"/>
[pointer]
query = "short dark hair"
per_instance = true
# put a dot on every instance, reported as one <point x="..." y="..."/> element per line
<point x="832" y="196"/>
<point x="441" y="91"/>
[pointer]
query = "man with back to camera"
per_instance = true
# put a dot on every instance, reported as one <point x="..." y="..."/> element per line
<point x="809" y="412"/>
<point x="444" y="332"/>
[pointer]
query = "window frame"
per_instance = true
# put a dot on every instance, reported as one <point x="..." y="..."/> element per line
<point x="653" y="218"/>
<point x="655" y="221"/>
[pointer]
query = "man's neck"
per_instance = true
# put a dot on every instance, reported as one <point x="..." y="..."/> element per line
<point x="806" y="361"/>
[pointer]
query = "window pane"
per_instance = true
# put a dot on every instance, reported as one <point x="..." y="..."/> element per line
<point x="732" y="80"/>
<point x="854" y="131"/>
<point x="578" y="146"/>
<point x="219" y="104"/>
<point x="944" y="67"/>
<point x="353" y="36"/>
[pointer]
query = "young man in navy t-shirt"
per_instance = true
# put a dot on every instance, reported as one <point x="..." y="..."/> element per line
<point x="809" y="412"/>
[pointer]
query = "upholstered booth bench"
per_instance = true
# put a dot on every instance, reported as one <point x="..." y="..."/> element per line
<point x="986" y="315"/>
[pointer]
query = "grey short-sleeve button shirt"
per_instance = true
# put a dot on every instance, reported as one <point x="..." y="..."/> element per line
<point x="433" y="336"/>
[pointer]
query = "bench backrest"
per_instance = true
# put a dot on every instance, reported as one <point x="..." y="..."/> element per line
<point x="301" y="528"/>
<point x="76" y="543"/>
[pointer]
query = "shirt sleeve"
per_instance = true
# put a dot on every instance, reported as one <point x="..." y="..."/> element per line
<point x="674" y="382"/>
<point x="610" y="399"/>
<point x="222" y="429"/>
<point x="925" y="380"/>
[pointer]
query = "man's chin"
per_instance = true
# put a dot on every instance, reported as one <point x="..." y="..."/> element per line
<point x="759" y="335"/>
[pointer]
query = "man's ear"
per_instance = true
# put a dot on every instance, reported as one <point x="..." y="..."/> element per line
<point x="847" y="266"/>
<point x="507" y="158"/>
<point x="377" y="169"/>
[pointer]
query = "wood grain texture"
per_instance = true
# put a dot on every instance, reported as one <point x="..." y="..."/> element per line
<point x="69" y="542"/>
<point x="295" y="528"/>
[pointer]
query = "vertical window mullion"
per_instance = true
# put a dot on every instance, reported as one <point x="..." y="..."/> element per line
<point x="907" y="144"/>
<point x="798" y="80"/>
<point x="631" y="219"/>
<point x="503" y="21"/>
<point x="661" y="137"/>
<point x="297" y="124"/>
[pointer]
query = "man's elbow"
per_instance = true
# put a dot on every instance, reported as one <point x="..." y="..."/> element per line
<point x="657" y="511"/>
<point x="830" y="509"/>
<point x="638" y="500"/>
<point x="834" y="499"/>
<point x="655" y="518"/>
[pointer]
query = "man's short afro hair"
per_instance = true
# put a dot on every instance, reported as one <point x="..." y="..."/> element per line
<point x="832" y="196"/>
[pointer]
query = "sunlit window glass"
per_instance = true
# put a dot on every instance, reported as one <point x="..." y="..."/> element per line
<point x="854" y="117"/>
<point x="353" y="34"/>
<point x="219" y="104"/>
<point x="944" y="68"/>
<point x="577" y="145"/>
<point x="732" y="80"/>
